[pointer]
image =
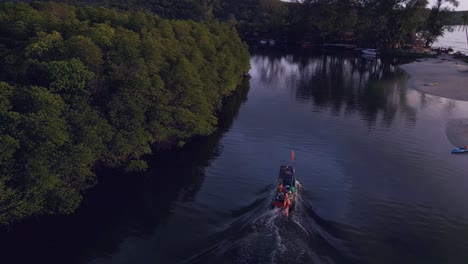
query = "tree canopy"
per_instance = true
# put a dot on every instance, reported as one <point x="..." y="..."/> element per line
<point x="87" y="85"/>
<point x="377" y="23"/>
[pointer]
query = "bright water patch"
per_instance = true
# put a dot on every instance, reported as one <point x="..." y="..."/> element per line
<point x="456" y="39"/>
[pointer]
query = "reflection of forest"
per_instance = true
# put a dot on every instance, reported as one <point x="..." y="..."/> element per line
<point x="341" y="83"/>
<point x="122" y="205"/>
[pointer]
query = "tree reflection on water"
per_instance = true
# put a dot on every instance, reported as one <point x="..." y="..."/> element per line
<point x="344" y="84"/>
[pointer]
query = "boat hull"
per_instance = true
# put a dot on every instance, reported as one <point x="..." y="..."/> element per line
<point x="370" y="52"/>
<point x="285" y="193"/>
<point x="460" y="150"/>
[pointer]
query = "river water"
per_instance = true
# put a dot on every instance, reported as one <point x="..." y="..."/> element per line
<point x="456" y="39"/>
<point x="379" y="184"/>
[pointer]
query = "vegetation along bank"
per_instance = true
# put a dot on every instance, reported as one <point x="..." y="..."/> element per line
<point x="82" y="86"/>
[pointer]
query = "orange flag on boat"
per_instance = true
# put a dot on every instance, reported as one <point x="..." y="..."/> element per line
<point x="292" y="155"/>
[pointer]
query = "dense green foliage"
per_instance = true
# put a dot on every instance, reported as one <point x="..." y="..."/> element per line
<point x="81" y="85"/>
<point x="383" y="24"/>
<point x="87" y="81"/>
<point x="457" y="18"/>
<point x="377" y="23"/>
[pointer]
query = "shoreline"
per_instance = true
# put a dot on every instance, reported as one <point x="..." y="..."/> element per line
<point x="443" y="76"/>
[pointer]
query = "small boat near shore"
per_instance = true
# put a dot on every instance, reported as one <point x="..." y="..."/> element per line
<point x="460" y="150"/>
<point x="286" y="188"/>
<point x="369" y="57"/>
<point x="372" y="52"/>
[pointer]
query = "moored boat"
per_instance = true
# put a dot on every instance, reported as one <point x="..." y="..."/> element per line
<point x="286" y="188"/>
<point x="460" y="150"/>
<point x="372" y="52"/>
<point x="369" y="57"/>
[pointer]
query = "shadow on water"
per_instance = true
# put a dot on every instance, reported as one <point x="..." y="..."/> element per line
<point x="121" y="205"/>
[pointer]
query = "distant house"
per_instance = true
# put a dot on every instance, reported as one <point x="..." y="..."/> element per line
<point x="415" y="43"/>
<point x="310" y="41"/>
<point x="348" y="36"/>
<point x="345" y="36"/>
<point x="414" y="40"/>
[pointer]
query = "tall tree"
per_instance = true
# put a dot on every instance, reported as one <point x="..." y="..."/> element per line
<point x="437" y="22"/>
<point x="464" y="25"/>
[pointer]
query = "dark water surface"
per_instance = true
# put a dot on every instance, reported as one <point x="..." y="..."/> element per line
<point x="379" y="184"/>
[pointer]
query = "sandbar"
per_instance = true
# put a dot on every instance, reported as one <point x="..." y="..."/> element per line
<point x="443" y="76"/>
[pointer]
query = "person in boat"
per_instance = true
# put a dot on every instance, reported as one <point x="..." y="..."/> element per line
<point x="287" y="201"/>
<point x="280" y="187"/>
<point x="286" y="204"/>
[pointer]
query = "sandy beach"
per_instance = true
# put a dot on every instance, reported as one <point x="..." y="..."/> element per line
<point x="443" y="76"/>
<point x="446" y="77"/>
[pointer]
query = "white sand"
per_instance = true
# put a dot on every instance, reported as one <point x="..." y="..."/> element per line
<point x="448" y="76"/>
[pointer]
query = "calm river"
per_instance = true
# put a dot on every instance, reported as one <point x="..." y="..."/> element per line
<point x="379" y="184"/>
<point x="458" y="40"/>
